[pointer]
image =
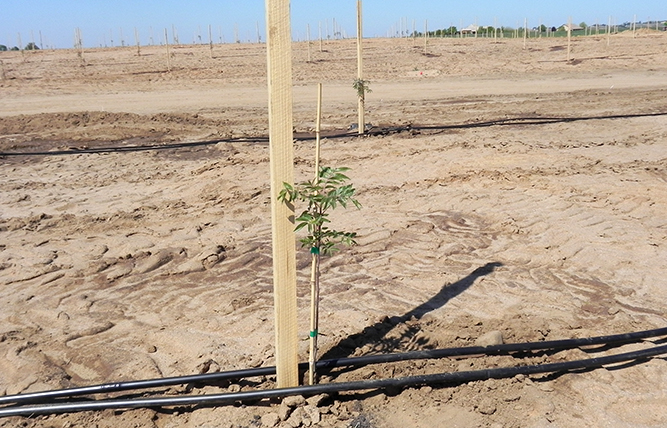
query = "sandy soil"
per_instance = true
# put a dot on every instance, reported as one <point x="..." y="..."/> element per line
<point x="525" y="195"/>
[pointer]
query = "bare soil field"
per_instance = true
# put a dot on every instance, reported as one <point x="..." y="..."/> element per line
<point x="504" y="190"/>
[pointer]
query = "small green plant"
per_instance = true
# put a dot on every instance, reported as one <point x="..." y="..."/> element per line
<point x="362" y="87"/>
<point x="325" y="192"/>
<point x="322" y="194"/>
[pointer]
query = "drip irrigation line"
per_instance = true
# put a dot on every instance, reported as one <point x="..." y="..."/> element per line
<point x="323" y="365"/>
<point x="410" y="381"/>
<point x="374" y="131"/>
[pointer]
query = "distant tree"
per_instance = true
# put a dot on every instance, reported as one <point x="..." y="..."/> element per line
<point x="543" y="28"/>
<point x="3" y="48"/>
<point x="15" y="48"/>
<point x="31" y="47"/>
<point x="583" y="25"/>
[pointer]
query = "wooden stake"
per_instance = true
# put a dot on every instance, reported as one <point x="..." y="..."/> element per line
<point x="279" y="65"/>
<point x="318" y="129"/>
<point x="136" y="39"/>
<point x="569" y="38"/>
<point x="315" y="260"/>
<point x="320" y="31"/>
<point x="360" y="70"/>
<point x="525" y="32"/>
<point x="166" y="42"/>
<point x="310" y="59"/>
<point x="425" y="33"/>
<point x="210" y="41"/>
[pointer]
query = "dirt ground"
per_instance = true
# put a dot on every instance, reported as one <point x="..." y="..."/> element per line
<point x="521" y="193"/>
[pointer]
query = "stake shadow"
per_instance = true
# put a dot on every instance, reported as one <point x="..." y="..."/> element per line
<point x="376" y="334"/>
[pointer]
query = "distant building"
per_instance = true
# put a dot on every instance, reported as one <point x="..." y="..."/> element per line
<point x="574" y="28"/>
<point x="470" y="29"/>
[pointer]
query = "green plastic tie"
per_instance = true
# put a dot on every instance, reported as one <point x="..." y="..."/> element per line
<point x="313" y="333"/>
<point x="315" y="250"/>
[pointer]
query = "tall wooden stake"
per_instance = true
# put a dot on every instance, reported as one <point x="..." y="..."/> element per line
<point x="136" y="39"/>
<point x="320" y="30"/>
<point x="210" y="41"/>
<point x="569" y="38"/>
<point x="425" y="33"/>
<point x="318" y="130"/>
<point x="279" y="65"/>
<point x="166" y="42"/>
<point x="310" y="58"/>
<point x="360" y="69"/>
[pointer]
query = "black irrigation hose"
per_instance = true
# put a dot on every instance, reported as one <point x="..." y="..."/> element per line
<point x="46" y="396"/>
<point x="338" y="134"/>
<point x="439" y="378"/>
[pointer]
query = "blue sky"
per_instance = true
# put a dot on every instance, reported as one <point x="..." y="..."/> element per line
<point x="101" y="21"/>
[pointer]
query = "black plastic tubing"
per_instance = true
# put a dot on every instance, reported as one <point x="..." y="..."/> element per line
<point x="440" y="378"/>
<point x="46" y="396"/>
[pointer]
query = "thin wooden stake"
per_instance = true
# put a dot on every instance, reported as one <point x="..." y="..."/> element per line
<point x="569" y="38"/>
<point x="166" y="42"/>
<point x="136" y="39"/>
<point x="360" y="70"/>
<point x="320" y="34"/>
<point x="310" y="59"/>
<point x="279" y="65"/>
<point x="318" y="129"/>
<point x="425" y="33"/>
<point x="315" y="260"/>
<point x="210" y="41"/>
<point x="21" y="45"/>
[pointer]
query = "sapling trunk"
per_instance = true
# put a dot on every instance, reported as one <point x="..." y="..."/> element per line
<point x="315" y="258"/>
